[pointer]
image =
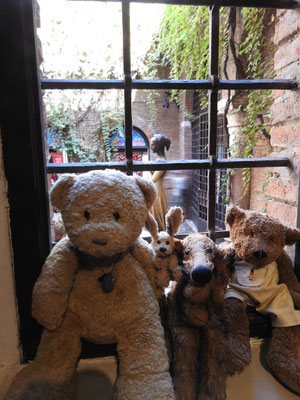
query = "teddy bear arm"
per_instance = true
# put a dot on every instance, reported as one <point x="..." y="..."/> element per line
<point x="162" y="278"/>
<point x="287" y="276"/>
<point x="52" y="289"/>
<point x="143" y="252"/>
<point x="236" y="336"/>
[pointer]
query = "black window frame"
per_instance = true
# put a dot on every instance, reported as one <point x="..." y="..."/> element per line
<point x="23" y="136"/>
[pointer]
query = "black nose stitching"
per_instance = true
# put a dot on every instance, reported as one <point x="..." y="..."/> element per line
<point x="260" y="254"/>
<point x="162" y="249"/>
<point x="201" y="275"/>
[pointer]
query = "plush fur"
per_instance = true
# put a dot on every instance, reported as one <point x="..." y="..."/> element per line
<point x="206" y="336"/>
<point x="165" y="266"/>
<point x="103" y="213"/>
<point x="259" y="240"/>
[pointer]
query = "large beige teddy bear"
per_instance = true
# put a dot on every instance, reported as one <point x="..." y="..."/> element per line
<point x="92" y="286"/>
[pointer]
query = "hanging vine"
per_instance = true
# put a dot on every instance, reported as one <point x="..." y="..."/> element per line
<point x="182" y="46"/>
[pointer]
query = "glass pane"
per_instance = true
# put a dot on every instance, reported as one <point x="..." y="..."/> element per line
<point x="81" y="39"/>
<point x="79" y="124"/>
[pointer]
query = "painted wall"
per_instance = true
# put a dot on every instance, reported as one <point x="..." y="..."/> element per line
<point x="9" y="348"/>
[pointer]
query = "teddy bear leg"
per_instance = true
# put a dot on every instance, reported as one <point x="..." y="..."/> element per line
<point x="184" y="366"/>
<point x="143" y="369"/>
<point x="51" y="376"/>
<point x="284" y="356"/>
<point x="237" y="340"/>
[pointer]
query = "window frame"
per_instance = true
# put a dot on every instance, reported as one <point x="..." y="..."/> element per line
<point x="24" y="164"/>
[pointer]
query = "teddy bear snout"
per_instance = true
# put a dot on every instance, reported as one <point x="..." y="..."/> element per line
<point x="163" y="249"/>
<point x="201" y="275"/>
<point x="259" y="254"/>
<point x="100" y="242"/>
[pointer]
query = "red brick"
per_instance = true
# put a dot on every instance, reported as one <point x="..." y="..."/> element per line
<point x="277" y="93"/>
<point x="288" y="25"/>
<point x="280" y="190"/>
<point x="285" y="213"/>
<point x="285" y="135"/>
<point x="281" y="111"/>
<point x="287" y="53"/>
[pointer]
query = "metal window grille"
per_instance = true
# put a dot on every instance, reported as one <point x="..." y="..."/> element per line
<point x="200" y="176"/>
<point x="211" y="163"/>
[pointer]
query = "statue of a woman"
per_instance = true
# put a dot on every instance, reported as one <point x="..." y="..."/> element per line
<point x="159" y="208"/>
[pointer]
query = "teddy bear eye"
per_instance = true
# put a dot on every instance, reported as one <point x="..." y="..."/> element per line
<point x="158" y="242"/>
<point x="87" y="215"/>
<point x="251" y="233"/>
<point x="167" y="242"/>
<point x="187" y="252"/>
<point x="116" y="215"/>
<point x="208" y="250"/>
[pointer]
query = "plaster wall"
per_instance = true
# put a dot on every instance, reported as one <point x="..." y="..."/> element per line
<point x="9" y="345"/>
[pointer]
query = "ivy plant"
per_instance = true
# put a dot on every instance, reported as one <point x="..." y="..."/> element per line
<point x="182" y="46"/>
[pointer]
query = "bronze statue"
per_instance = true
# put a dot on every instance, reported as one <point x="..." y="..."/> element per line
<point x="159" y="208"/>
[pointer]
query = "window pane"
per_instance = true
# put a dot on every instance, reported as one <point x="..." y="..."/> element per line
<point x="81" y="40"/>
<point x="79" y="124"/>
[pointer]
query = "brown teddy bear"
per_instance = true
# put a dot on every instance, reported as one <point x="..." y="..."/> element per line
<point x="165" y="266"/>
<point x="264" y="278"/>
<point x="208" y="339"/>
<point x="92" y="286"/>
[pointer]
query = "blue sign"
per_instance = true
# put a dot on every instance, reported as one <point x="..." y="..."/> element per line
<point x="118" y="139"/>
<point x="52" y="137"/>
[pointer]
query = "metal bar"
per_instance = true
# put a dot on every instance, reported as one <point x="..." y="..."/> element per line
<point x="171" y="84"/>
<point x="171" y="165"/>
<point x="252" y="162"/>
<point x="250" y="84"/>
<point x="127" y="90"/>
<point x="242" y="84"/>
<point x="284" y="4"/>
<point x="297" y="250"/>
<point x="213" y="116"/>
<point x="93" y="84"/>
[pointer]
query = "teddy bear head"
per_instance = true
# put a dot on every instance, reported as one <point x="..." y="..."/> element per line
<point x="163" y="243"/>
<point x="204" y="261"/>
<point x="204" y="278"/>
<point x="103" y="211"/>
<point x="258" y="238"/>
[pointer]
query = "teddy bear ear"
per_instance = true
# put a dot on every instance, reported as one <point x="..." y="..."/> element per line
<point x="292" y="235"/>
<point x="148" y="189"/>
<point x="173" y="220"/>
<point x="151" y="225"/>
<point x="59" y="190"/>
<point x="234" y="214"/>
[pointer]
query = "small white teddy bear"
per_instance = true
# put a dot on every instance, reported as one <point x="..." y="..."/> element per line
<point x="165" y="266"/>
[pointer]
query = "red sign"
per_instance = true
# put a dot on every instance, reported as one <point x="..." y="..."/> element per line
<point x="57" y="158"/>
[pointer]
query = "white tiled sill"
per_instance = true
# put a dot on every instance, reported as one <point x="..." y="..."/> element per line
<point x="96" y="377"/>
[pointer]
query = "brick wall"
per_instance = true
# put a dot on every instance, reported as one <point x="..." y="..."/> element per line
<point x="166" y="120"/>
<point x="282" y="188"/>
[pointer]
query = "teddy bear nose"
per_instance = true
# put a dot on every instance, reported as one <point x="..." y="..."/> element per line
<point x="162" y="249"/>
<point x="100" y="242"/>
<point x="201" y="274"/>
<point x="260" y="254"/>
